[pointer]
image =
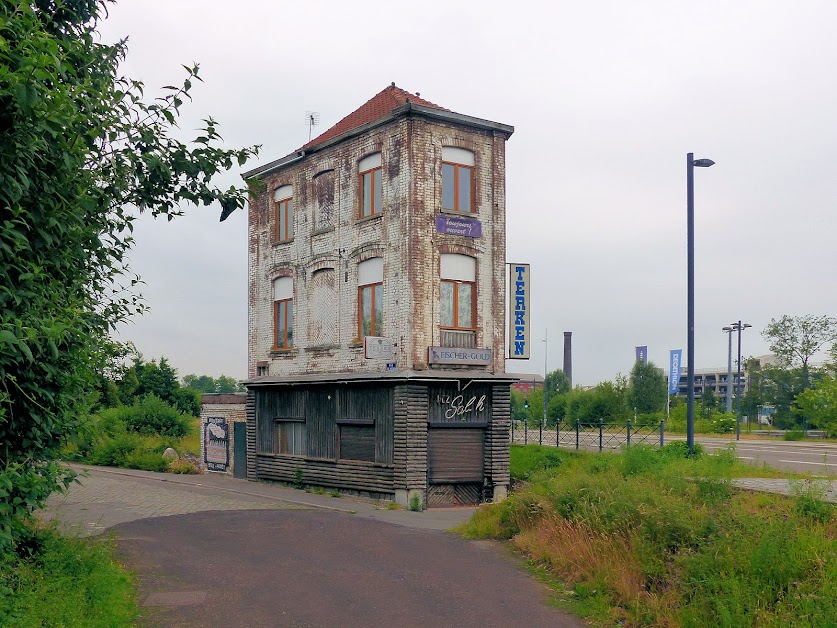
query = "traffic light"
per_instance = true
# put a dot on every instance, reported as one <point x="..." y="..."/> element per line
<point x="525" y="404"/>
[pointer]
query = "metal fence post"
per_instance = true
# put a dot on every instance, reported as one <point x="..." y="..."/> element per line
<point x="526" y="431"/>
<point x="512" y="430"/>
<point x="629" y="432"/>
<point x="540" y="432"/>
<point x="600" y="436"/>
<point x="662" y="433"/>
<point x="576" y="434"/>
<point x="558" y="432"/>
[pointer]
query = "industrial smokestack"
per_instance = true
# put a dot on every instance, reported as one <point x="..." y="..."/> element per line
<point x="568" y="356"/>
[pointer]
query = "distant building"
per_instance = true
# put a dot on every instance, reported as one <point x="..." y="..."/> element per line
<point x="715" y="379"/>
<point x="527" y="382"/>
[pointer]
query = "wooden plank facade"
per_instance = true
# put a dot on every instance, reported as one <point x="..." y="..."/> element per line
<point x="393" y="437"/>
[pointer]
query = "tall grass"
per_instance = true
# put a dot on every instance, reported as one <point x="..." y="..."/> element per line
<point x="650" y="537"/>
<point x="54" y="580"/>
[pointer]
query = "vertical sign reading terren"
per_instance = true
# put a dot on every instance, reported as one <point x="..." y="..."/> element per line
<point x="519" y="311"/>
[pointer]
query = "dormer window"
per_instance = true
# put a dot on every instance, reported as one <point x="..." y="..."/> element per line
<point x="457" y="180"/>
<point x="371" y="187"/>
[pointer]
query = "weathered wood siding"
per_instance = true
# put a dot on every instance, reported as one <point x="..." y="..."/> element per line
<point x="250" y="413"/>
<point x="410" y="436"/>
<point x="497" y="438"/>
<point x="320" y="425"/>
<point x="375" y="403"/>
<point x="348" y="474"/>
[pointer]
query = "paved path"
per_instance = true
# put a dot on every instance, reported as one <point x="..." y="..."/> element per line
<point x="790" y="487"/>
<point x="211" y="550"/>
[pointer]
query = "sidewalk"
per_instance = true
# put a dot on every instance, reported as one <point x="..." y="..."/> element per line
<point x="100" y="500"/>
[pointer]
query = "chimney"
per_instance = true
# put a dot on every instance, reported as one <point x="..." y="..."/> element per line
<point x="568" y="356"/>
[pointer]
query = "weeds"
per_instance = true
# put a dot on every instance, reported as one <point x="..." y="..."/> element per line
<point x="59" y="581"/>
<point x="655" y="537"/>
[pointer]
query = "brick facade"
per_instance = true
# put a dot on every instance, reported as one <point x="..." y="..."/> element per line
<point x="404" y="235"/>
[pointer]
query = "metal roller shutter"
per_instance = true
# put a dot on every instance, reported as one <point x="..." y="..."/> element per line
<point x="455" y="455"/>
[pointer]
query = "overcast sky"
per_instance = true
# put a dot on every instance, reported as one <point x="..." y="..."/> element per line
<point x="606" y="98"/>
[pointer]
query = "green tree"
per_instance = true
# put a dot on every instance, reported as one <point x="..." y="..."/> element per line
<point x="556" y="383"/>
<point x="648" y="388"/>
<point x="81" y="153"/>
<point x="208" y="384"/>
<point x="708" y="403"/>
<point x="819" y="404"/>
<point x="794" y="340"/>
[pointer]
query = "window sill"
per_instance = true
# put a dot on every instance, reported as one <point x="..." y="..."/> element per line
<point x="281" y="242"/>
<point x="367" y="219"/>
<point x="356" y="344"/>
<point x="323" y="348"/>
<point x="453" y="212"/>
<point x="322" y="230"/>
<point x="280" y="352"/>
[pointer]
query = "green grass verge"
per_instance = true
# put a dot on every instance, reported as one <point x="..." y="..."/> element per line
<point x="53" y="580"/>
<point x="652" y="537"/>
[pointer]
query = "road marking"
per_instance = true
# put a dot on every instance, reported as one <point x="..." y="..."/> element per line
<point x="824" y="464"/>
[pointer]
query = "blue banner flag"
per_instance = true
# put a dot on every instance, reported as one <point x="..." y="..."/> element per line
<point x="674" y="371"/>
<point x="642" y="354"/>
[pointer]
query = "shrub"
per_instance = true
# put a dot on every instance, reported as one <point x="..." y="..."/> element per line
<point x="794" y="434"/>
<point x="183" y="467"/>
<point x="151" y="415"/>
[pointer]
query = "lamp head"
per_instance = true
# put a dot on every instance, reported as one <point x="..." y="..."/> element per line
<point x="727" y="328"/>
<point x="703" y="163"/>
<point x="746" y="325"/>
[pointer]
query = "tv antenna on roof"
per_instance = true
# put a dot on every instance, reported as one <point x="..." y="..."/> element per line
<point x="312" y="119"/>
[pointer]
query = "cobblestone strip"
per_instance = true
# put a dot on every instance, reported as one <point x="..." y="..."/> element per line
<point x="98" y="502"/>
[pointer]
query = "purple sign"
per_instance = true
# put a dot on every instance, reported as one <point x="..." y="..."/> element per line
<point x="454" y="225"/>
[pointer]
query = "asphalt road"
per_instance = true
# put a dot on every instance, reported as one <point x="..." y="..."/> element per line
<point x="214" y="551"/>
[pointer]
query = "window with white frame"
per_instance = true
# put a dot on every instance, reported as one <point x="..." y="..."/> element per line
<point x="457" y="180"/>
<point x="283" y="313"/>
<point x="370" y="297"/>
<point x="289" y="437"/>
<point x="458" y="288"/>
<point x="371" y="187"/>
<point x="283" y="214"/>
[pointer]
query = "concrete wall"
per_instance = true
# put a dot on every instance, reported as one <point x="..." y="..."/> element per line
<point x="229" y="407"/>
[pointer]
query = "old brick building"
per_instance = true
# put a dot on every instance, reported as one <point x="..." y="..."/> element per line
<point x="377" y="306"/>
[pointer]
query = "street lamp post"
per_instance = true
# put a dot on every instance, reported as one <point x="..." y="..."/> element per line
<point x="545" y="373"/>
<point x="738" y="327"/>
<point x="728" y="329"/>
<point x="691" y="163"/>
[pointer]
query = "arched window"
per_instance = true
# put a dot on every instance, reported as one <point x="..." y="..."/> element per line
<point x="283" y="313"/>
<point x="283" y="204"/>
<point x="371" y="188"/>
<point x="457" y="179"/>
<point x="370" y="297"/>
<point x="458" y="288"/>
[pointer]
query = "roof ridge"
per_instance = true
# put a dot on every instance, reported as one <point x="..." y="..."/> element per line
<point x="377" y="107"/>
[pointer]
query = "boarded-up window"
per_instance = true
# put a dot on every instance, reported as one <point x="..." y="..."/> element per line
<point x="324" y="196"/>
<point x="289" y="437"/>
<point x="357" y="442"/>
<point x="323" y="312"/>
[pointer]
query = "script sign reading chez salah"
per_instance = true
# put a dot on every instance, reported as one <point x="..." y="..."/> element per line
<point x="519" y="311"/>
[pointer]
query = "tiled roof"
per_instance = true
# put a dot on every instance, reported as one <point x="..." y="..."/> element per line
<point x="380" y="105"/>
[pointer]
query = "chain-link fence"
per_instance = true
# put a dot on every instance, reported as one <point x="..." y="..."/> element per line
<point x="599" y="435"/>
